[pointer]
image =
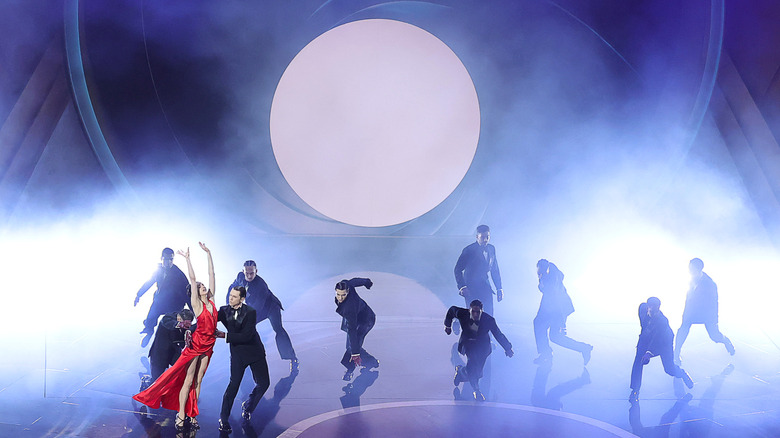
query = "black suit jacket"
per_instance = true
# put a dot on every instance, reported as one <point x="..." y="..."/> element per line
<point x="167" y="337"/>
<point x="245" y="344"/>
<point x="656" y="335"/>
<point x="258" y="295"/>
<point x="701" y="303"/>
<point x="487" y="325"/>
<point x="357" y="318"/>
<point x="171" y="287"/>
<point x="472" y="268"/>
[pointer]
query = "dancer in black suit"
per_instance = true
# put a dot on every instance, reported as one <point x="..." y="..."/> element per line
<point x="554" y="308"/>
<point x="476" y="327"/>
<point x="268" y="306"/>
<point x="357" y="319"/>
<point x="655" y="339"/>
<point x="701" y="307"/>
<point x="169" y="341"/>
<point x="246" y="350"/>
<point x="476" y="261"/>
<point x="170" y="296"/>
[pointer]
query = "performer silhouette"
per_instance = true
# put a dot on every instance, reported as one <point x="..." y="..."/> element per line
<point x="655" y="339"/>
<point x="474" y="342"/>
<point x="701" y="307"/>
<point x="554" y="308"/>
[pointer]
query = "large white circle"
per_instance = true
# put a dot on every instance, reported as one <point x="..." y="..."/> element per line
<point x="375" y="122"/>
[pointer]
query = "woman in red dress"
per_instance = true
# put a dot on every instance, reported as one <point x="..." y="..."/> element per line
<point x="178" y="388"/>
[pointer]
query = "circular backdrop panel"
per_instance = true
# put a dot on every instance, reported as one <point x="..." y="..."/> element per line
<point x="375" y="122"/>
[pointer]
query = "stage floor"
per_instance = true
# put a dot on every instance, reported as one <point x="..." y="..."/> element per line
<point x="71" y="381"/>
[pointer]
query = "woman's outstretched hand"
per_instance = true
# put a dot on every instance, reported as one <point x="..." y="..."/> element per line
<point x="184" y="254"/>
<point x="203" y="247"/>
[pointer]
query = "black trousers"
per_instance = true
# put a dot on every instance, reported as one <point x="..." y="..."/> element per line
<point x="667" y="359"/>
<point x="482" y="293"/>
<point x="273" y="313"/>
<point x="685" y="328"/>
<point x="262" y="382"/>
<point x="346" y="360"/>
<point x="545" y="322"/>
<point x="160" y="360"/>
<point x="476" y="356"/>
<point x="160" y="306"/>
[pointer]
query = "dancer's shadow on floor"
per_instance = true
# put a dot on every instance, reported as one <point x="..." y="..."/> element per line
<point x="353" y="390"/>
<point x="667" y="419"/>
<point x="551" y="399"/>
<point x="696" y="421"/>
<point x="267" y="408"/>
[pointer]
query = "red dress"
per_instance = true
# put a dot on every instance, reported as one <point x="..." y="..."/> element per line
<point x="165" y="390"/>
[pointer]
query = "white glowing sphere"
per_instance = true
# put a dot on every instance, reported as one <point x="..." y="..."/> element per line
<point x="375" y="122"/>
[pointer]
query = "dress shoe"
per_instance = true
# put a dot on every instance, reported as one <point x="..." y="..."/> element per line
<point x="586" y="354"/>
<point x="146" y="381"/>
<point x="478" y="396"/>
<point x="224" y="426"/>
<point x="633" y="397"/>
<point x="372" y="363"/>
<point x="245" y="413"/>
<point x="729" y="345"/>
<point x="687" y="379"/>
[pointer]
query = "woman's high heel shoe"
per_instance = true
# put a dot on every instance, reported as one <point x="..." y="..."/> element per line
<point x="179" y="423"/>
<point x="194" y="423"/>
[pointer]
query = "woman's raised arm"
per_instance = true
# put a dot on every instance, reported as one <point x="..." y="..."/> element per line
<point x="197" y="306"/>
<point x="212" y="282"/>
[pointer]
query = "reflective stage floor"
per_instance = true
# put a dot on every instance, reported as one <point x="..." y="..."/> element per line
<point x="72" y="380"/>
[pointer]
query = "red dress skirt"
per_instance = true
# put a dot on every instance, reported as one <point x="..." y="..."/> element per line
<point x="165" y="390"/>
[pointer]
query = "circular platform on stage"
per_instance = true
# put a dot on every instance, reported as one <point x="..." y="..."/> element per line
<point x="451" y="418"/>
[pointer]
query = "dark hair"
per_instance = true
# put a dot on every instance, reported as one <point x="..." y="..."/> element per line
<point x="343" y="285"/>
<point x="189" y="290"/>
<point x="476" y="303"/>
<point x="542" y="264"/>
<point x="483" y="229"/>
<point x="241" y="291"/>
<point x="654" y="302"/>
<point x="168" y="252"/>
<point x="250" y="263"/>
<point x="697" y="263"/>
<point x="186" y="314"/>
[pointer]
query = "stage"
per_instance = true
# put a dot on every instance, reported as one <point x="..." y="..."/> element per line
<point x="90" y="375"/>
